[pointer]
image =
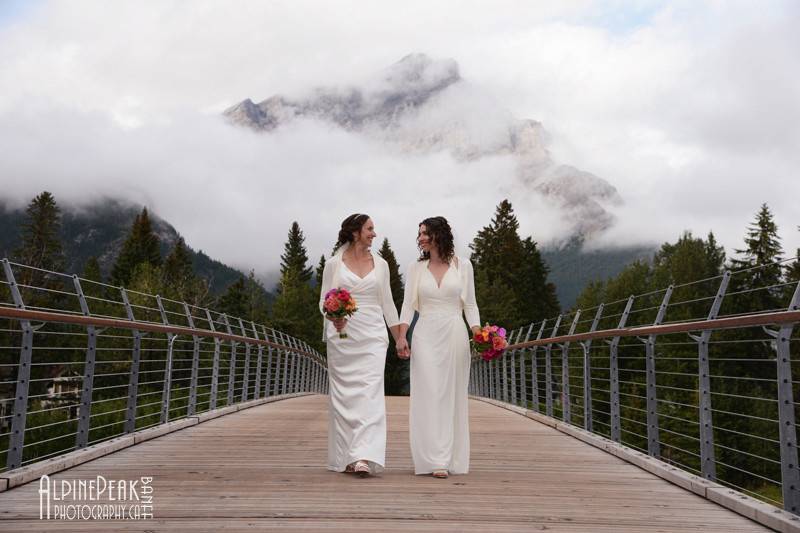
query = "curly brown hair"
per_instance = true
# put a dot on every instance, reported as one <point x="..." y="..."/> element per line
<point x="350" y="225"/>
<point x="442" y="236"/>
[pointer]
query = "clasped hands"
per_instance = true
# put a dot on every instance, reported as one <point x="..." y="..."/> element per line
<point x="403" y="350"/>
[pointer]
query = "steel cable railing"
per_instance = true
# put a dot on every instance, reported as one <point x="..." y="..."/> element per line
<point x="694" y="374"/>
<point x="82" y="362"/>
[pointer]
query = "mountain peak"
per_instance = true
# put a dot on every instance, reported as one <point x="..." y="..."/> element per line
<point x="422" y="105"/>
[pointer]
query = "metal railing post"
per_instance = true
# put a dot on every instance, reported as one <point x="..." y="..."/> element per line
<point x="790" y="478"/>
<point x="653" y="439"/>
<point x="535" y="370"/>
<point x="523" y="382"/>
<point x="17" y="438"/>
<point x="616" y="426"/>
<point x="192" y="407"/>
<point x="133" y="380"/>
<point x="259" y="362"/>
<point x="515" y="387"/>
<point x="268" y="381"/>
<point x="214" y="365"/>
<point x="587" y="374"/>
<point x="549" y="370"/>
<point x="286" y="356"/>
<point x="167" y="391"/>
<point x="87" y="388"/>
<point x="246" y="374"/>
<point x="566" y="401"/>
<point x="232" y="364"/>
<point x="708" y="465"/>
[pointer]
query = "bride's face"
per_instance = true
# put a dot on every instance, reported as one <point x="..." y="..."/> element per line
<point x="424" y="240"/>
<point x="367" y="234"/>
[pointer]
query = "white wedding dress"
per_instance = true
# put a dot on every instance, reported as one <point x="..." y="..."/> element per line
<point x="357" y="421"/>
<point x="439" y="424"/>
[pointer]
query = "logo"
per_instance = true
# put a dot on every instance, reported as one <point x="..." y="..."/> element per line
<point x="96" y="499"/>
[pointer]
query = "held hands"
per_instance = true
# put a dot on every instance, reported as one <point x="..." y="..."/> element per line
<point x="403" y="350"/>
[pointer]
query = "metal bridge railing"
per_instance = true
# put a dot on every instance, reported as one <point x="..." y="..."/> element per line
<point x="699" y="375"/>
<point x="83" y="362"/>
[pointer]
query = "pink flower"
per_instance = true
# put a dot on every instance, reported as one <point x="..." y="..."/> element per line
<point x="498" y="343"/>
<point x="332" y="305"/>
<point x="501" y="332"/>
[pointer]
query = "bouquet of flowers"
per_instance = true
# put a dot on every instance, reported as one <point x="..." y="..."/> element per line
<point x="339" y="304"/>
<point x="490" y="342"/>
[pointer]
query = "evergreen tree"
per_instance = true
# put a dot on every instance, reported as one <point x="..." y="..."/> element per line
<point x="396" y="380"/>
<point x="294" y="256"/>
<point x="295" y="309"/>
<point x="320" y="270"/>
<point x="257" y="308"/>
<point x="41" y="235"/>
<point x="91" y="270"/>
<point x="178" y="275"/>
<point x="763" y="250"/>
<point x="793" y="275"/>
<point x="715" y="255"/>
<point x="141" y="246"/>
<point x="510" y="274"/>
<point x="684" y="263"/>
<point x="41" y="248"/>
<point x="234" y="301"/>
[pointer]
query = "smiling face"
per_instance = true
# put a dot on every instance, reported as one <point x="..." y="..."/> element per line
<point x="424" y="239"/>
<point x="366" y="235"/>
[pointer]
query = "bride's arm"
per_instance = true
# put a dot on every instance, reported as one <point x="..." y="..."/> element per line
<point x="470" y="304"/>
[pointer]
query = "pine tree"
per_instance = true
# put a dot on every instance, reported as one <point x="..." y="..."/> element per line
<point x="91" y="270"/>
<point x="762" y="250"/>
<point x="179" y="279"/>
<point x="41" y="248"/>
<point x="294" y="256"/>
<point x="510" y="275"/>
<point x="320" y="270"/>
<point x="141" y="246"/>
<point x="295" y="308"/>
<point x="793" y="275"/>
<point x="257" y="308"/>
<point x="91" y="273"/>
<point x="234" y="301"/>
<point x="396" y="381"/>
<point x="41" y="235"/>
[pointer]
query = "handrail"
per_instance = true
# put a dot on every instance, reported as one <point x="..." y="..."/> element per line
<point x="65" y="318"/>
<point x="752" y="320"/>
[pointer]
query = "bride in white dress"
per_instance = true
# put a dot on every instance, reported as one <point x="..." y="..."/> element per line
<point x="357" y="421"/>
<point x="440" y="286"/>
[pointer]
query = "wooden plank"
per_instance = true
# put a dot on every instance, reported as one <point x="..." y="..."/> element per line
<point x="264" y="468"/>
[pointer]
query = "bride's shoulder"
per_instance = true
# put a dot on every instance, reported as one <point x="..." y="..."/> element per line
<point x="462" y="262"/>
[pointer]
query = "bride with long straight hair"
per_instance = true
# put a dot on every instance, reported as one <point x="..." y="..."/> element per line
<point x="357" y="422"/>
<point x="440" y="286"/>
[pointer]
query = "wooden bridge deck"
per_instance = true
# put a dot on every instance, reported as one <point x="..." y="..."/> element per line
<point x="263" y="468"/>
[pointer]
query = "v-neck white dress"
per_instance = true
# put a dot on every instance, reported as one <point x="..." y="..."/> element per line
<point x="357" y="421"/>
<point x="439" y="423"/>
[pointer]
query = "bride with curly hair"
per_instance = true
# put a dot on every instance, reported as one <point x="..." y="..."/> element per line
<point x="440" y="286"/>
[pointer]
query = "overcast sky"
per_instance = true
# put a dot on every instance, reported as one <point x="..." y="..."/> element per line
<point x="690" y="109"/>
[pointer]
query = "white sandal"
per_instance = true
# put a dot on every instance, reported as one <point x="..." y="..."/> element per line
<point x="440" y="473"/>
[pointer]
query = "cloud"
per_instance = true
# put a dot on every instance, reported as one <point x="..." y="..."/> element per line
<point x="689" y="109"/>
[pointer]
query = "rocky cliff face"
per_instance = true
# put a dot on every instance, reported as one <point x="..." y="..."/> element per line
<point x="421" y="105"/>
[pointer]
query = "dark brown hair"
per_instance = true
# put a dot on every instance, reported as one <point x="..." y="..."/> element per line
<point x="350" y="225"/>
<point x="442" y="236"/>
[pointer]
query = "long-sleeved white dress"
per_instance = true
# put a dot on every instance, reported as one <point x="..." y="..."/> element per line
<point x="357" y="408"/>
<point x="440" y="361"/>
